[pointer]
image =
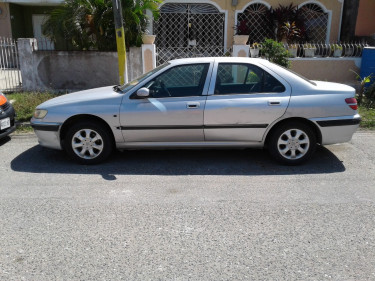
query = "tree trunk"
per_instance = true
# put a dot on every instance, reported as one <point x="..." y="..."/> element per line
<point x="349" y="20"/>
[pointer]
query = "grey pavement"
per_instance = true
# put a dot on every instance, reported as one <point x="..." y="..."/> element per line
<point x="187" y="215"/>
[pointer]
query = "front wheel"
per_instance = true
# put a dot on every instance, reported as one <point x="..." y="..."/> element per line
<point x="88" y="143"/>
<point x="292" y="143"/>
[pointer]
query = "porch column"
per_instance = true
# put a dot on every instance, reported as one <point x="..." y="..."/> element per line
<point x="148" y="57"/>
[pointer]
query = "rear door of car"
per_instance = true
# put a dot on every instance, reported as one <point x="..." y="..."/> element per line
<point x="243" y="100"/>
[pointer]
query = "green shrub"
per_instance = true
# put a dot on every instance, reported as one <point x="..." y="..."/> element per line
<point x="275" y="52"/>
<point x="369" y="94"/>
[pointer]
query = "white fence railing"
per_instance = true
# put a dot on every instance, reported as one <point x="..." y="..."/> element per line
<point x="326" y="49"/>
<point x="10" y="74"/>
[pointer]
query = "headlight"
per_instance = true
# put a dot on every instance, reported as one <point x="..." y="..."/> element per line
<point x="40" y="113"/>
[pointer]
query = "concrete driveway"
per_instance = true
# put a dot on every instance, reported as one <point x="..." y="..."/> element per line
<point x="187" y="215"/>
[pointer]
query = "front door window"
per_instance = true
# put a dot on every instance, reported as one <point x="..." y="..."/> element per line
<point x="179" y="81"/>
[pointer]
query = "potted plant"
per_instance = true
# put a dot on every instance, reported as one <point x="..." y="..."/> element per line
<point x="290" y="33"/>
<point x="242" y="33"/>
<point x="309" y="50"/>
<point x="293" y="49"/>
<point x="254" y="50"/>
<point x="337" y="50"/>
<point x="148" y="38"/>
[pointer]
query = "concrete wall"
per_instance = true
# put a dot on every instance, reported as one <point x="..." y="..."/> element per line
<point x="67" y="71"/>
<point x="5" y="26"/>
<point x="328" y="69"/>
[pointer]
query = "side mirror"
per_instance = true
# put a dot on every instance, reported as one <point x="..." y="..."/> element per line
<point x="143" y="93"/>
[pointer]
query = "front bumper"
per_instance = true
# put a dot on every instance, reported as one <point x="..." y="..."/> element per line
<point x="48" y="133"/>
<point x="8" y="112"/>
<point x="337" y="129"/>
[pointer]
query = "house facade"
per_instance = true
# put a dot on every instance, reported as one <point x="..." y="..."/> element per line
<point x="212" y="22"/>
<point x="365" y="21"/>
<point x="24" y="18"/>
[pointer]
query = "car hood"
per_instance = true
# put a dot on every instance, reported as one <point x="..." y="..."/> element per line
<point x="333" y="87"/>
<point x="87" y="95"/>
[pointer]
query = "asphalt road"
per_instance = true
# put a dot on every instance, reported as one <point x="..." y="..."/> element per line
<point x="187" y="215"/>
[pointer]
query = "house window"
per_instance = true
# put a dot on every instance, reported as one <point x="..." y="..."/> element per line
<point x="254" y="21"/>
<point x="316" y="22"/>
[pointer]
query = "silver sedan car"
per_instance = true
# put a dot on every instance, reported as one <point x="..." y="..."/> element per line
<point x="202" y="102"/>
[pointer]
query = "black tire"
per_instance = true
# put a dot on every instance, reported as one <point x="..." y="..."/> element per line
<point x="289" y="137"/>
<point x="90" y="149"/>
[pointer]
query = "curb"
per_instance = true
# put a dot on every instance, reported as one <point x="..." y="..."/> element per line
<point x="23" y="124"/>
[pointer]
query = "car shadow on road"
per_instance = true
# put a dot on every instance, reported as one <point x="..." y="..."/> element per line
<point x="246" y="162"/>
<point x="4" y="140"/>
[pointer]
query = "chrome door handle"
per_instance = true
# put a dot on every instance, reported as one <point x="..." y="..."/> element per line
<point x="193" y="105"/>
<point x="271" y="103"/>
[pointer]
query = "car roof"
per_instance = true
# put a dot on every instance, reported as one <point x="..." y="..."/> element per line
<point x="218" y="59"/>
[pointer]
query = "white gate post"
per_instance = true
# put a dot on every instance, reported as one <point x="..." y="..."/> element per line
<point x="26" y="47"/>
<point x="148" y="57"/>
<point x="241" y="51"/>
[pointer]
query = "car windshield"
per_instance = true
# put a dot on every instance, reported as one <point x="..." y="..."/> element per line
<point x="126" y="87"/>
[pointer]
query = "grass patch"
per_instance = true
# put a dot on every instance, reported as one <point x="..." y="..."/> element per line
<point x="24" y="130"/>
<point x="368" y="117"/>
<point x="25" y="103"/>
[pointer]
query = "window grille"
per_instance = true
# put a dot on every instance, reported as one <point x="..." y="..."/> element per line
<point x="256" y="19"/>
<point x="189" y="30"/>
<point x="316" y="22"/>
<point x="182" y="25"/>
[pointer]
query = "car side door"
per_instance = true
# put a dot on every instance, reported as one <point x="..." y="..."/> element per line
<point x="174" y="110"/>
<point x="243" y="100"/>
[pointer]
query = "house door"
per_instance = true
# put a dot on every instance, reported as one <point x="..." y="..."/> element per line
<point x="43" y="42"/>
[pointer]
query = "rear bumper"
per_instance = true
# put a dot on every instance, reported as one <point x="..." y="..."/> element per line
<point x="48" y="134"/>
<point x="337" y="129"/>
<point x="8" y="131"/>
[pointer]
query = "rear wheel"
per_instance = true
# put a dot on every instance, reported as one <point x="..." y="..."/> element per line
<point x="292" y="143"/>
<point x="88" y="143"/>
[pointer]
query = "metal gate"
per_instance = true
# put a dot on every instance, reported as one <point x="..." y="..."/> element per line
<point x="189" y="30"/>
<point x="10" y="74"/>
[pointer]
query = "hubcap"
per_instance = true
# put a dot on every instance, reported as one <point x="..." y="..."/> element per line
<point x="87" y="144"/>
<point x="293" y="144"/>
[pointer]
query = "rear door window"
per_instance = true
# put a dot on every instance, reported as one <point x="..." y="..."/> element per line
<point x="239" y="78"/>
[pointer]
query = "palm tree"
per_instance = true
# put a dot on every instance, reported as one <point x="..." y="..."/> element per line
<point x="89" y="24"/>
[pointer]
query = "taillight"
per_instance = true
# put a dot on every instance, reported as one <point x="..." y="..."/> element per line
<point x="352" y="102"/>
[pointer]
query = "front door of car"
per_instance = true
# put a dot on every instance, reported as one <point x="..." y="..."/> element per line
<point x="174" y="110"/>
<point x="242" y="102"/>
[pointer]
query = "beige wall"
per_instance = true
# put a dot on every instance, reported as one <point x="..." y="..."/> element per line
<point x="332" y="70"/>
<point x="5" y="27"/>
<point x="365" y="21"/>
